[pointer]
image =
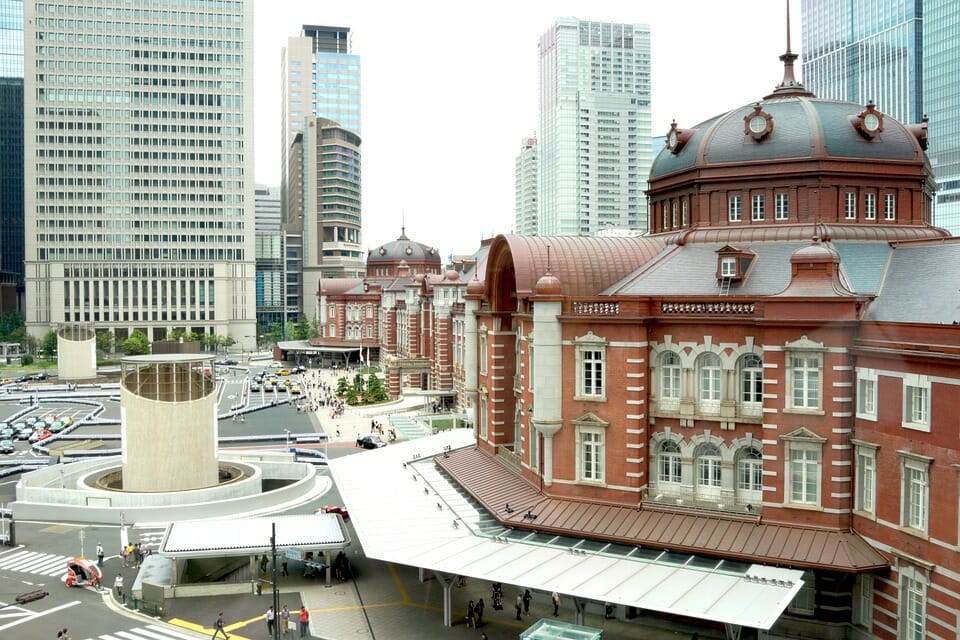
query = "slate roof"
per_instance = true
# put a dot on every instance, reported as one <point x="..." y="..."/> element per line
<point x="922" y="284"/>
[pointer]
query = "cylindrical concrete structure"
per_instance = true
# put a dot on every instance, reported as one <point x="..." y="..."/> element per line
<point x="76" y="352"/>
<point x="168" y="422"/>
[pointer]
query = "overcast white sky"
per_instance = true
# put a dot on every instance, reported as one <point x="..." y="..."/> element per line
<point x="449" y="91"/>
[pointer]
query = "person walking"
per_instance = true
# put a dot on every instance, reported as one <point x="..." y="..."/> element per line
<point x="218" y="627"/>
<point x="527" y="597"/>
<point x="471" y="612"/>
<point x="555" y="598"/>
<point x="99" y="555"/>
<point x="271" y="617"/>
<point x="304" y="621"/>
<point x="519" y="605"/>
<point x="479" y="612"/>
<point x="118" y="585"/>
<point x="285" y="620"/>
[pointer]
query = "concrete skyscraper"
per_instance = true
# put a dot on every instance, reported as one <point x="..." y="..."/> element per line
<point x="139" y="198"/>
<point x="320" y="189"/>
<point x="594" y="136"/>
<point x="525" y="187"/>
<point x="904" y="57"/>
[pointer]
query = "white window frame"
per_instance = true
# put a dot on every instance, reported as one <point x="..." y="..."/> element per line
<point x="866" y="393"/>
<point x="591" y="368"/>
<point x="869" y="206"/>
<point x="782" y="206"/>
<point x="684" y="218"/>
<point x="803" y="477"/>
<point x="917" y="399"/>
<point x="669" y="379"/>
<point x="805" y="602"/>
<point x="750" y="474"/>
<point x="709" y="470"/>
<point x="709" y="382"/>
<point x="865" y="478"/>
<point x="728" y="266"/>
<point x="804" y="381"/>
<point x="912" y="604"/>
<point x="850" y="205"/>
<point x="735" y="208"/>
<point x="914" y="492"/>
<point x="482" y="352"/>
<point x="482" y="415"/>
<point x="673" y="214"/>
<point x="889" y="206"/>
<point x="863" y="601"/>
<point x="757" y="207"/>
<point x="591" y="454"/>
<point x="669" y="463"/>
<point x="750" y="396"/>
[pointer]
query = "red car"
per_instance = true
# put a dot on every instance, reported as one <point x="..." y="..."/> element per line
<point x="335" y="509"/>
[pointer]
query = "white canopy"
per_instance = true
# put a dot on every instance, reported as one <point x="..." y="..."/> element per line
<point x="405" y="511"/>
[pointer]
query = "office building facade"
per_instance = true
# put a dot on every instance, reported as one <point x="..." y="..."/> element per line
<point x="594" y="136"/>
<point x="525" y="188"/>
<point x="11" y="155"/>
<point x="903" y="57"/>
<point x="139" y="202"/>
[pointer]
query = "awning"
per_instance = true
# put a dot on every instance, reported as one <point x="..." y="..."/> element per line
<point x="414" y="515"/>
<point x="251" y="536"/>
<point x="304" y="346"/>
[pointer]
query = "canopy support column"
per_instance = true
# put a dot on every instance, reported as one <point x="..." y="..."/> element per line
<point x="421" y="574"/>
<point x="581" y="608"/>
<point x="329" y="571"/>
<point x="732" y="630"/>
<point x="446" y="581"/>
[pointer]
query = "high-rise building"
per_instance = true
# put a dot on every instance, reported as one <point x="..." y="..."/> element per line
<point x="11" y="155"/>
<point x="525" y="188"/>
<point x="139" y="199"/>
<point x="902" y="56"/>
<point x="594" y="137"/>
<point x="320" y="191"/>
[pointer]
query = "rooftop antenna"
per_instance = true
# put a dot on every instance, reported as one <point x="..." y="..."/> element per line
<point x="789" y="85"/>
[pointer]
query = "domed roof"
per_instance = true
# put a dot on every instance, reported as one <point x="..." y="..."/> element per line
<point x="403" y="248"/>
<point x="548" y="285"/>
<point x="800" y="127"/>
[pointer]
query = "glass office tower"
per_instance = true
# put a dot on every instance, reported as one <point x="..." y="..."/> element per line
<point x="11" y="154"/>
<point x="904" y="55"/>
<point x="139" y="196"/>
<point x="525" y="188"/>
<point x="594" y="136"/>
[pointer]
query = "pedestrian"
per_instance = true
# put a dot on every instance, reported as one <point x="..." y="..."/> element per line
<point x="483" y="636"/>
<point x="99" y="555"/>
<point x="138" y="554"/>
<point x="263" y="564"/>
<point x="118" y="585"/>
<point x="59" y="634"/>
<point x="555" y="597"/>
<point x="283" y="568"/>
<point x="64" y="635"/>
<point x="471" y="612"/>
<point x="285" y="620"/>
<point x="479" y="612"/>
<point x="218" y="627"/>
<point x="304" y="621"/>
<point x="519" y="605"/>
<point x="527" y="597"/>
<point x="271" y="620"/>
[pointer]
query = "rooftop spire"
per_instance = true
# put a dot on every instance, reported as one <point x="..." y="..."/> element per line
<point x="789" y="86"/>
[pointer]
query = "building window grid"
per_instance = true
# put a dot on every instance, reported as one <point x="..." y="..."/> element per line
<point x="735" y="208"/>
<point x="670" y="463"/>
<point x="669" y="392"/>
<point x="866" y="480"/>
<point x="782" y="206"/>
<point x="804" y="474"/>
<point x="757" y="204"/>
<point x="870" y="206"/>
<point x="709" y="375"/>
<point x="916" y="495"/>
<point x="750" y="472"/>
<point x="889" y="206"/>
<point x="916" y="405"/>
<point x="591" y="455"/>
<point x="591" y="378"/>
<point x="850" y="205"/>
<point x="867" y="394"/>
<point x="709" y="467"/>
<point x="805" y="381"/>
<point x="751" y="381"/>
<point x="913" y="596"/>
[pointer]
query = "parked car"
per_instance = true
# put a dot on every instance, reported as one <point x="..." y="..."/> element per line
<point x="24" y="434"/>
<point x="231" y="363"/>
<point x="295" y="389"/>
<point x="7" y="433"/>
<point x="370" y="442"/>
<point x="39" y="376"/>
<point x="254" y="386"/>
<point x="31" y="420"/>
<point x="283" y="372"/>
<point x="331" y="508"/>
<point x="6" y="446"/>
<point x="40" y="434"/>
<point x="56" y="427"/>
<point x="67" y="420"/>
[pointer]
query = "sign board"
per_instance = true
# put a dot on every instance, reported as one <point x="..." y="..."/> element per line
<point x="293" y="554"/>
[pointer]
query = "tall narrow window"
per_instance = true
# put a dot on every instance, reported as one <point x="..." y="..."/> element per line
<point x="866" y="478"/>
<point x="708" y="470"/>
<point x="803" y="469"/>
<point x="804" y="381"/>
<point x="735" y="208"/>
<point x="915" y="491"/>
<point x="751" y="385"/>
<point x="782" y="206"/>
<point x="850" y="205"/>
<point x="913" y="606"/>
<point x="591" y="452"/>
<point x="684" y="218"/>
<point x="869" y="206"/>
<point x="591" y="354"/>
<point x="749" y="475"/>
<point x="670" y="466"/>
<point x="916" y="402"/>
<point x="757" y="207"/>
<point x="867" y="394"/>
<point x="669" y="392"/>
<point x="889" y="206"/>
<point x="709" y="375"/>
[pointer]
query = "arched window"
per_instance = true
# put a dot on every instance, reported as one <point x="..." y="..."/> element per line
<point x="709" y="383"/>
<point x="670" y="469"/>
<point x="749" y="475"/>
<point x="708" y="470"/>
<point x="669" y="396"/>
<point x="751" y="385"/>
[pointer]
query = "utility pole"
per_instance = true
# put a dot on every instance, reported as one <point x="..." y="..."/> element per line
<point x="276" y="584"/>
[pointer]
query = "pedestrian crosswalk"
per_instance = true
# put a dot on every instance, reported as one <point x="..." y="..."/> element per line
<point x="34" y="562"/>
<point x="149" y="632"/>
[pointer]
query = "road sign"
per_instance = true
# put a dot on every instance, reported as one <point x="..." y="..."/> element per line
<point x="293" y="554"/>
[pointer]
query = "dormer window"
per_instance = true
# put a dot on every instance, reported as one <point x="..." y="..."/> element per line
<point x="757" y="124"/>
<point x="732" y="263"/>
<point x="869" y="122"/>
<point x="677" y="138"/>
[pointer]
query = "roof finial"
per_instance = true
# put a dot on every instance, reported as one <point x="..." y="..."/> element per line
<point x="403" y="225"/>
<point x="789" y="86"/>
<point x="548" y="259"/>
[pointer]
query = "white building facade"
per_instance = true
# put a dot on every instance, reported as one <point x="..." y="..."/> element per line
<point x="525" y="188"/>
<point x="594" y="137"/>
<point x="139" y="195"/>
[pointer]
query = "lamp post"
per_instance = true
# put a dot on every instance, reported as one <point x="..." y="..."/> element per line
<point x="276" y="586"/>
